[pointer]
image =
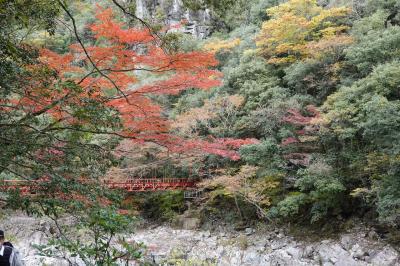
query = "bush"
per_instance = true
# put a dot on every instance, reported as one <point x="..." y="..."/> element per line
<point x="163" y="206"/>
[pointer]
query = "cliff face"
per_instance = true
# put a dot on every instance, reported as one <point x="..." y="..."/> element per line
<point x="172" y="12"/>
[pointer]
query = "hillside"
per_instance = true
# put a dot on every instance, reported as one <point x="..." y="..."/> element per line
<point x="231" y="113"/>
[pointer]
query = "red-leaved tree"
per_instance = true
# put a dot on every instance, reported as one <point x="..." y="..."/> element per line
<point x="302" y="143"/>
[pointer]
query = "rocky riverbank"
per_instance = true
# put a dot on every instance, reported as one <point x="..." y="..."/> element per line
<point x="168" y="246"/>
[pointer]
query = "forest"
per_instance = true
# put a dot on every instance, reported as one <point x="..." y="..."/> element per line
<point x="282" y="112"/>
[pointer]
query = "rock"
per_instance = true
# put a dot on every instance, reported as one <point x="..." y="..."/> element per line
<point x="280" y="235"/>
<point x="173" y="12"/>
<point x="373" y="235"/>
<point x="388" y="257"/>
<point x="308" y="252"/>
<point x="347" y="242"/>
<point x="333" y="260"/>
<point x="203" y="247"/>
<point x="293" y="252"/>
<point x="357" y="252"/>
<point x="248" y="231"/>
<point x="327" y="251"/>
<point x="278" y="245"/>
<point x="251" y="257"/>
<point x="269" y="236"/>
<point x="206" y="234"/>
<point x="191" y="223"/>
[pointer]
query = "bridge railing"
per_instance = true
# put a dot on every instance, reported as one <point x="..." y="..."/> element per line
<point x="134" y="184"/>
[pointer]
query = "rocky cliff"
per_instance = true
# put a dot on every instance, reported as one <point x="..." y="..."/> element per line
<point x="172" y="12"/>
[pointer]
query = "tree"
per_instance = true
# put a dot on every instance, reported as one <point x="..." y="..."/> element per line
<point x="62" y="118"/>
<point x="300" y="29"/>
<point x="375" y="44"/>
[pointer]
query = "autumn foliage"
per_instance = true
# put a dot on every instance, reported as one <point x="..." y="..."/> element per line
<point x="111" y="73"/>
<point x="301" y="29"/>
<point x="302" y="143"/>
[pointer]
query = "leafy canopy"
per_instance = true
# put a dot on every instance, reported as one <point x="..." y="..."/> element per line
<point x="301" y="29"/>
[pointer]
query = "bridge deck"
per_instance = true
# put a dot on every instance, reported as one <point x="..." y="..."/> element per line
<point x="131" y="185"/>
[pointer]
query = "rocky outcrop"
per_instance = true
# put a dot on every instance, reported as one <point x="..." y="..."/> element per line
<point x="268" y="248"/>
<point x="249" y="247"/>
<point x="173" y="12"/>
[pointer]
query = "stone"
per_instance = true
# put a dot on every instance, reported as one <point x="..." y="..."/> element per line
<point x="248" y="231"/>
<point x="373" y="235"/>
<point x="333" y="260"/>
<point x="278" y="245"/>
<point x="357" y="252"/>
<point x="347" y="242"/>
<point x="197" y="22"/>
<point x="387" y="256"/>
<point x="308" y="252"/>
<point x="206" y="234"/>
<point x="293" y="252"/>
<point x="251" y="257"/>
<point x="269" y="236"/>
<point x="191" y="223"/>
<point x="203" y="247"/>
<point x="330" y="250"/>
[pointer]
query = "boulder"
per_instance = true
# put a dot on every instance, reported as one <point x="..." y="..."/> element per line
<point x="387" y="256"/>
<point x="248" y="231"/>
<point x="191" y="223"/>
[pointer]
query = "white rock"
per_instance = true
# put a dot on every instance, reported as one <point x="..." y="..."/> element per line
<point x="387" y="257"/>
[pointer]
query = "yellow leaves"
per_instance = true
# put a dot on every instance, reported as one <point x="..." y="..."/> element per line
<point x="258" y="191"/>
<point x="301" y="29"/>
<point x="332" y="31"/>
<point x="359" y="192"/>
<point x="377" y="163"/>
<point x="219" y="45"/>
<point x="303" y="8"/>
<point x="325" y="15"/>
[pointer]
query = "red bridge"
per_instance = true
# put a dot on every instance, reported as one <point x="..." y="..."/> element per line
<point x="131" y="185"/>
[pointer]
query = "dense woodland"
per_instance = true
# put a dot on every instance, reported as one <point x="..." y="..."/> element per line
<point x="292" y="108"/>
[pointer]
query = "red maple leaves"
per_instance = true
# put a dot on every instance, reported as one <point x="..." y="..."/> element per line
<point x="119" y="71"/>
<point x="302" y="143"/>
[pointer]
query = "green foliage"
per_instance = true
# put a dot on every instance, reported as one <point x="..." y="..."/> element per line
<point x="266" y="154"/>
<point x="17" y="18"/>
<point x="164" y="206"/>
<point x="98" y="229"/>
<point x="374" y="47"/>
<point x="290" y="207"/>
<point x="224" y="206"/>
<point x="368" y="108"/>
<point x="388" y="204"/>
<point x="312" y="77"/>
<point x="325" y="194"/>
<point x="350" y="71"/>
<point x="346" y="66"/>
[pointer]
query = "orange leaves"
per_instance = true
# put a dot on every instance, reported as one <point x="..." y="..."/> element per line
<point x="60" y="63"/>
<point x="108" y="28"/>
<point x="119" y="64"/>
<point x="111" y="74"/>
